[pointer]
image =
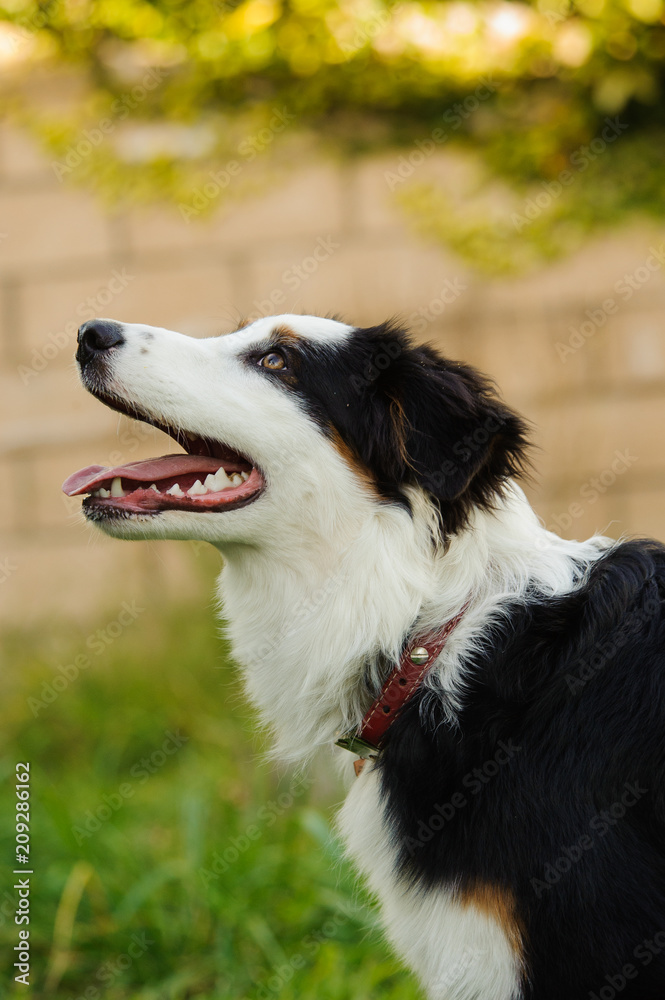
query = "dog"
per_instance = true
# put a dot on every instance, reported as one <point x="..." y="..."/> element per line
<point x="388" y="588"/>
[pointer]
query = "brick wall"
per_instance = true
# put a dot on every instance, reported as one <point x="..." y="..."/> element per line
<point x="578" y="347"/>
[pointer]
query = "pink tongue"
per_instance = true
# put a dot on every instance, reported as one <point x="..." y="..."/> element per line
<point x="153" y="469"/>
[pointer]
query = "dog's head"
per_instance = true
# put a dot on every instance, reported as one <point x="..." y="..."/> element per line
<point x="286" y="413"/>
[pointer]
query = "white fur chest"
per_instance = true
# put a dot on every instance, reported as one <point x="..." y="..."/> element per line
<point x="458" y="951"/>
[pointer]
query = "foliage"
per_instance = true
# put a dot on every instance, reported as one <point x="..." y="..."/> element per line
<point x="134" y="904"/>
<point x="526" y="86"/>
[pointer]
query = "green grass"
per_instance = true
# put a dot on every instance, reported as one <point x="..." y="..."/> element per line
<point x="128" y="897"/>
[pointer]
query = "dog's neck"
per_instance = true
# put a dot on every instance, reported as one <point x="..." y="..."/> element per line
<point x="314" y="621"/>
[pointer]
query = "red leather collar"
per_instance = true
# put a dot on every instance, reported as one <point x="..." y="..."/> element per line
<point x="414" y="664"/>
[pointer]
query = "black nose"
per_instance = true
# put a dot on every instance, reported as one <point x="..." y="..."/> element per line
<point x="96" y="336"/>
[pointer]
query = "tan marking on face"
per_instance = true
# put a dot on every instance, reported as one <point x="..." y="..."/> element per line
<point x="358" y="468"/>
<point x="285" y="335"/>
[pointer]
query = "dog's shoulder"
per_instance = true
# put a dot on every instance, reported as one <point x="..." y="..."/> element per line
<point x="543" y="643"/>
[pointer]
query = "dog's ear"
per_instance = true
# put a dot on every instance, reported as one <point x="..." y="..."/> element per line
<point x="458" y="434"/>
<point x="437" y="424"/>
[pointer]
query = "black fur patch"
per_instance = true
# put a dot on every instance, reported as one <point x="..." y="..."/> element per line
<point x="553" y="786"/>
<point x="411" y="417"/>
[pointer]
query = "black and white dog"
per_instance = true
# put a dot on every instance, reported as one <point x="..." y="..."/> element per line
<point x="385" y="581"/>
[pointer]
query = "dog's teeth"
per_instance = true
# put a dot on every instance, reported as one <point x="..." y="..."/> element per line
<point x="175" y="491"/>
<point x="220" y="481"/>
<point x="116" y="487"/>
<point x="103" y="493"/>
<point x="198" y="489"/>
<point x="244" y="476"/>
<point x="236" y="479"/>
<point x="153" y="487"/>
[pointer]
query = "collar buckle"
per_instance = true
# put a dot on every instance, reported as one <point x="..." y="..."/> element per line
<point x="402" y="683"/>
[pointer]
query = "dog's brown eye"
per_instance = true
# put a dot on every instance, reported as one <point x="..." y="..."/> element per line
<point x="273" y="360"/>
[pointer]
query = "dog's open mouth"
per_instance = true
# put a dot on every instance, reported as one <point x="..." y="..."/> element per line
<point x="209" y="477"/>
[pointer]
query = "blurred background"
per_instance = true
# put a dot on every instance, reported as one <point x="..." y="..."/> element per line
<point x="491" y="173"/>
